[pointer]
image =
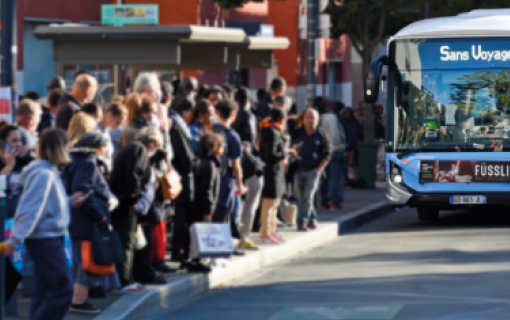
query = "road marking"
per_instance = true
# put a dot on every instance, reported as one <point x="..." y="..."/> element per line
<point x="339" y="312"/>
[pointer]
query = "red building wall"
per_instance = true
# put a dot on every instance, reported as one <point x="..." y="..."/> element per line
<point x="284" y="15"/>
<point x="74" y="10"/>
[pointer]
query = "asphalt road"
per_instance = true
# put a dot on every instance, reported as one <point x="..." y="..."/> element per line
<point x="457" y="268"/>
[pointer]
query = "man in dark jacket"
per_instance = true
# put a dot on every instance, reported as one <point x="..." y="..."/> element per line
<point x="276" y="89"/>
<point x="314" y="153"/>
<point x="84" y="90"/>
<point x="186" y="165"/>
<point x="131" y="173"/>
<point x="50" y="110"/>
<point x="55" y="83"/>
<point x="246" y="122"/>
<point x="189" y="88"/>
<point x="232" y="171"/>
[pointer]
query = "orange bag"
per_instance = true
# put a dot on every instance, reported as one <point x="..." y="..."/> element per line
<point x="88" y="264"/>
<point x="171" y="185"/>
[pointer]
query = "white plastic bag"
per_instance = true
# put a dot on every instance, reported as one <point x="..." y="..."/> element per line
<point x="141" y="242"/>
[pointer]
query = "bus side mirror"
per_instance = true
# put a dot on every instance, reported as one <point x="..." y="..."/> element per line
<point x="373" y="77"/>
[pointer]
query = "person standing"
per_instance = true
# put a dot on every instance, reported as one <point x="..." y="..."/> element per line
<point x="189" y="91"/>
<point x="253" y="175"/>
<point x="41" y="222"/>
<point x="185" y="163"/>
<point x="57" y="83"/>
<point x="231" y="169"/>
<point x="333" y="185"/>
<point x="83" y="175"/>
<point x="148" y="84"/>
<point x="114" y="117"/>
<point x="203" y="122"/>
<point x="11" y="165"/>
<point x="208" y="176"/>
<point x="49" y="110"/>
<point x="314" y="152"/>
<point x="215" y="94"/>
<point x="84" y="90"/>
<point x="246" y="122"/>
<point x="142" y="110"/>
<point x="164" y="122"/>
<point x="80" y="124"/>
<point x="277" y="88"/>
<point x="130" y="175"/>
<point x="273" y="152"/>
<point x="28" y="117"/>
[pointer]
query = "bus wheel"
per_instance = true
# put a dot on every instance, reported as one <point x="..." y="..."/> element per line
<point x="428" y="213"/>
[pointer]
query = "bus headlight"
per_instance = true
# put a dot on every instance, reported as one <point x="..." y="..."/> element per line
<point x="397" y="179"/>
<point x="395" y="173"/>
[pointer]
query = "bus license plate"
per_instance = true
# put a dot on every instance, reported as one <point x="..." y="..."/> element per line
<point x="468" y="200"/>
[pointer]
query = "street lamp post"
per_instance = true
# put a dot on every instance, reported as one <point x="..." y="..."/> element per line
<point x="8" y="51"/>
<point x="8" y="48"/>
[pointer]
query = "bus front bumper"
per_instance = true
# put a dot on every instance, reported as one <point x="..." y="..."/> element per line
<point x="397" y="197"/>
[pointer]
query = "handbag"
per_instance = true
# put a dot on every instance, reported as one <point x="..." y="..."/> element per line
<point x="106" y="247"/>
<point x="88" y="264"/>
<point x="171" y="185"/>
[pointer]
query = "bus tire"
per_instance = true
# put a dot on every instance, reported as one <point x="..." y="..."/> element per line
<point x="428" y="213"/>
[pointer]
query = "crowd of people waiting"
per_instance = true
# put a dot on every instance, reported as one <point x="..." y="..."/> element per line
<point x="72" y="165"/>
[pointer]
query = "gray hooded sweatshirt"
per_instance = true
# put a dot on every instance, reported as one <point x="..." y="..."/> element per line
<point x="43" y="210"/>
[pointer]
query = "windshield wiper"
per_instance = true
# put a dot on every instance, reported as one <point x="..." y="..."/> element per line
<point x="404" y="153"/>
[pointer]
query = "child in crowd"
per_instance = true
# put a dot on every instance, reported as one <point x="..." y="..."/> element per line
<point x="211" y="147"/>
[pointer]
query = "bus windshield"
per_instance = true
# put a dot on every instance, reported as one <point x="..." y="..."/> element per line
<point x="449" y="94"/>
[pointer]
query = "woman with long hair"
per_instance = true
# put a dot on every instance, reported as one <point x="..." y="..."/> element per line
<point x="141" y="113"/>
<point x="41" y="222"/>
<point x="80" y="124"/>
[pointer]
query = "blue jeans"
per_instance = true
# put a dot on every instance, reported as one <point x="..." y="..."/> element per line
<point x="333" y="186"/>
<point x="238" y="210"/>
<point x="53" y="282"/>
<point x="306" y="183"/>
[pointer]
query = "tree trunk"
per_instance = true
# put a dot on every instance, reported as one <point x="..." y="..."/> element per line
<point x="367" y="58"/>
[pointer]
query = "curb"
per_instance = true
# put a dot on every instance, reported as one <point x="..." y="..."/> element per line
<point x="162" y="297"/>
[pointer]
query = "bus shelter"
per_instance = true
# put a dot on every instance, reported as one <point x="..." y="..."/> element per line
<point x="173" y="48"/>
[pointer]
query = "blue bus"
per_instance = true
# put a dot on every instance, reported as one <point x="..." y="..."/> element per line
<point x="448" y="112"/>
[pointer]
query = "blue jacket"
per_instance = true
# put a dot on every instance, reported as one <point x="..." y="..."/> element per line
<point x="197" y="130"/>
<point x="43" y="211"/>
<point x="83" y="175"/>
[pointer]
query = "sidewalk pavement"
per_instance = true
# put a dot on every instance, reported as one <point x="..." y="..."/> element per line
<point x="362" y="206"/>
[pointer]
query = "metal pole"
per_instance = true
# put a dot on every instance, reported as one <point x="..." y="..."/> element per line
<point x="8" y="51"/>
<point x="427" y="10"/>
<point x="2" y="238"/>
<point x="312" y="17"/>
<point x="8" y="48"/>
